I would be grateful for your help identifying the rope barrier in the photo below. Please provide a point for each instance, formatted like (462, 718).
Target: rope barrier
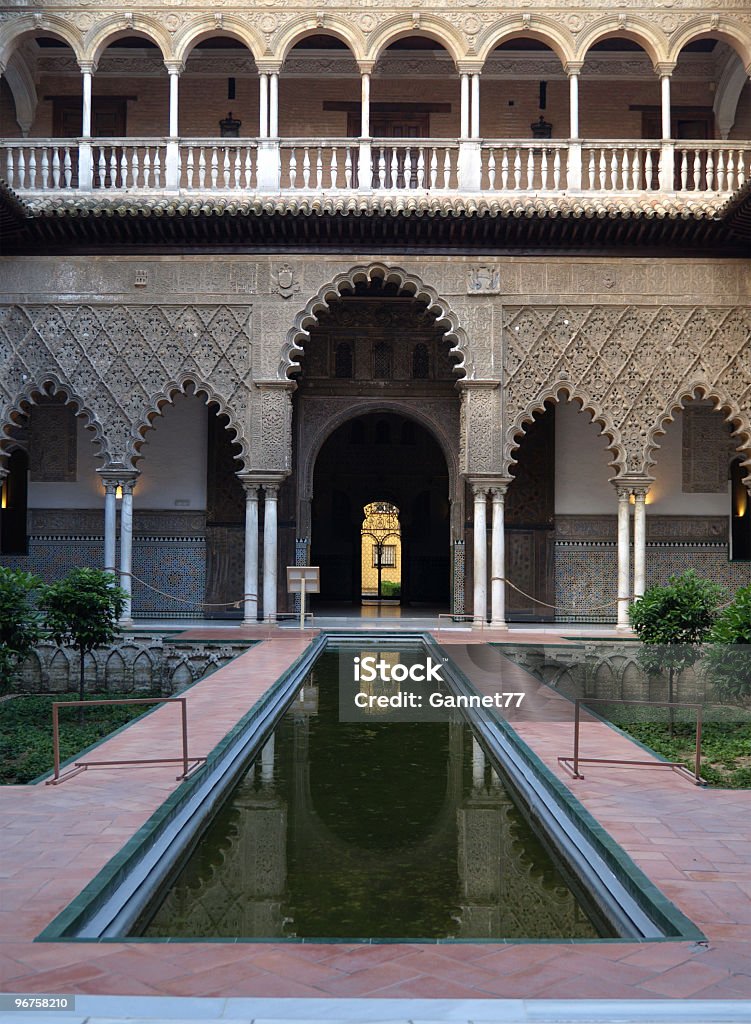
(185, 600)
(557, 607)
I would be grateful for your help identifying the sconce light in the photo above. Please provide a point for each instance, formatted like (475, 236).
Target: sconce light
(4, 495)
(118, 492)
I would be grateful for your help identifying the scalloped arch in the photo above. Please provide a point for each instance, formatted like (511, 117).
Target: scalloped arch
(51, 384)
(723, 404)
(402, 26)
(106, 32)
(384, 405)
(732, 33)
(206, 27)
(178, 386)
(553, 393)
(543, 29)
(307, 317)
(653, 40)
(333, 25)
(13, 32)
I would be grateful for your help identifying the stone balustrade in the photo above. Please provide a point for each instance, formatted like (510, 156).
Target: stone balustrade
(325, 165)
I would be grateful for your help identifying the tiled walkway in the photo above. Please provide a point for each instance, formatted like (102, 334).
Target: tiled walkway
(695, 844)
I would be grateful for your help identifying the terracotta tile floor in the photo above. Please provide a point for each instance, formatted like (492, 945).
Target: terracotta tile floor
(694, 844)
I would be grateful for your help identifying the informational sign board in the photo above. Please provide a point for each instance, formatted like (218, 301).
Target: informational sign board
(302, 580)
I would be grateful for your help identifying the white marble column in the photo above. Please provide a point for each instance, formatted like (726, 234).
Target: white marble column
(665, 105)
(174, 87)
(573, 92)
(464, 109)
(480, 543)
(110, 526)
(475, 106)
(498, 559)
(624, 558)
(263, 117)
(126, 549)
(250, 584)
(365, 106)
(274, 104)
(640, 540)
(86, 71)
(270, 495)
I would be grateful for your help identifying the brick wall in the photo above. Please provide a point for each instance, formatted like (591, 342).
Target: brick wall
(507, 107)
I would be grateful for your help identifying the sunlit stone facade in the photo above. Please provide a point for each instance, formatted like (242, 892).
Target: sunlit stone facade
(264, 266)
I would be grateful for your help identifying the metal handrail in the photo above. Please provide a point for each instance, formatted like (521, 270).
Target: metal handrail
(571, 764)
(81, 766)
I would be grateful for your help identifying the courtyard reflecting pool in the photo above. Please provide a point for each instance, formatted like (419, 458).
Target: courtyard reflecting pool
(370, 830)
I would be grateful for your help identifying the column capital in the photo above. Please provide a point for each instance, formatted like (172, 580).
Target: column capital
(498, 487)
(469, 67)
(640, 490)
(250, 485)
(573, 67)
(268, 67)
(87, 66)
(175, 67)
(114, 478)
(271, 490)
(366, 66)
(664, 68)
(623, 490)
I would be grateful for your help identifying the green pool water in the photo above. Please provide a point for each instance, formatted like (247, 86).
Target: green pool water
(369, 830)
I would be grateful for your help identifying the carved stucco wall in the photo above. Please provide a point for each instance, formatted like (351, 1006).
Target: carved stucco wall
(119, 353)
(630, 367)
(118, 364)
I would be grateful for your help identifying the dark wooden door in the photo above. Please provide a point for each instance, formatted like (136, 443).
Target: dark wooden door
(108, 117)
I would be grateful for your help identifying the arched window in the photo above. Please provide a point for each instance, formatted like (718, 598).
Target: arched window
(383, 361)
(343, 361)
(420, 362)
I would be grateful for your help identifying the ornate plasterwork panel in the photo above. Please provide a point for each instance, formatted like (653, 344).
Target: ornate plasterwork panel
(706, 451)
(630, 367)
(119, 364)
(272, 427)
(481, 437)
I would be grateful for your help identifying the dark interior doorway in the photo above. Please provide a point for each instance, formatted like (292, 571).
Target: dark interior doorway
(381, 457)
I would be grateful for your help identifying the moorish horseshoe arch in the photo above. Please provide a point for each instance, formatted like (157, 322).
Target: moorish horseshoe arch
(166, 396)
(723, 405)
(552, 393)
(308, 317)
(51, 384)
(359, 406)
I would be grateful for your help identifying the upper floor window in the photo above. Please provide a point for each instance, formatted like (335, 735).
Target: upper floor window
(343, 361)
(383, 361)
(420, 362)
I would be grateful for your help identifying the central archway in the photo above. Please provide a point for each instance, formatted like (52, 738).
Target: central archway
(382, 457)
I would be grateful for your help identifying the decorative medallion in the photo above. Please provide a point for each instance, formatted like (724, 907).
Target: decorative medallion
(484, 281)
(284, 279)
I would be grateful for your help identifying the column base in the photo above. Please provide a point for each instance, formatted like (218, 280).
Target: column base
(126, 623)
(250, 622)
(622, 627)
(498, 624)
